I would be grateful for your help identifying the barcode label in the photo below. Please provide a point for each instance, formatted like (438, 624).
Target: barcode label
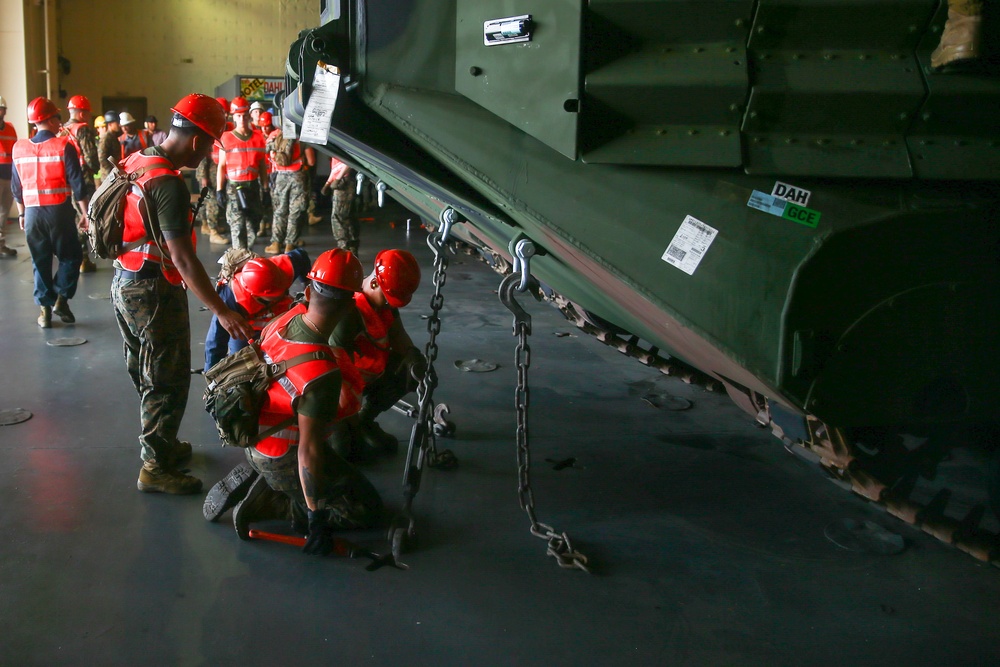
(689, 245)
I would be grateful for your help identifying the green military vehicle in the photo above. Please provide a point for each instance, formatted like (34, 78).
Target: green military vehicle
(783, 199)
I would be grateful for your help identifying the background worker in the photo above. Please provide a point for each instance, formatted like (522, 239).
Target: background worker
(242, 176)
(149, 296)
(343, 221)
(259, 292)
(300, 475)
(85, 139)
(290, 191)
(8, 137)
(152, 127)
(134, 139)
(110, 145)
(46, 171)
(380, 348)
(265, 125)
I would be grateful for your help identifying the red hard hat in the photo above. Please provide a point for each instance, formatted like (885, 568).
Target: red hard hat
(262, 278)
(223, 101)
(265, 119)
(398, 275)
(239, 105)
(338, 268)
(79, 102)
(203, 112)
(41, 108)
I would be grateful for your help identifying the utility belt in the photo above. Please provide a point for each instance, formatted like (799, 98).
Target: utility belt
(149, 271)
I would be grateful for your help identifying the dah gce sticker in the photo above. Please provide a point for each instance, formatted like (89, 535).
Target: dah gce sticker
(689, 245)
(791, 193)
(783, 208)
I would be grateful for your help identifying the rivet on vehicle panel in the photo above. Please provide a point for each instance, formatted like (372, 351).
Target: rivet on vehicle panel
(760, 29)
(660, 132)
(790, 140)
(692, 132)
(822, 142)
(855, 142)
(959, 142)
(863, 56)
(758, 140)
(888, 142)
(926, 115)
(724, 133)
(796, 56)
(763, 56)
(753, 114)
(475, 71)
(734, 107)
(739, 23)
(698, 49)
(895, 56)
(828, 56)
(731, 49)
(904, 116)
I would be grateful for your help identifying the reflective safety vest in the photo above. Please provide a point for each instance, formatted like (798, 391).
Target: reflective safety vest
(40, 167)
(284, 393)
(136, 221)
(71, 128)
(372, 344)
(337, 169)
(8, 137)
(258, 314)
(244, 158)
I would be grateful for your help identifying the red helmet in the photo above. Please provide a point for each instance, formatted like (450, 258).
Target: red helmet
(79, 102)
(239, 105)
(203, 112)
(265, 119)
(262, 278)
(338, 268)
(41, 108)
(223, 101)
(398, 275)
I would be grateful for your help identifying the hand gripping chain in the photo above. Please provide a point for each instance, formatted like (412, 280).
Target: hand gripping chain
(559, 545)
(423, 440)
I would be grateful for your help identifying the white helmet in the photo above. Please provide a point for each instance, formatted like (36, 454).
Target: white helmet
(125, 118)
(3, 102)
(257, 105)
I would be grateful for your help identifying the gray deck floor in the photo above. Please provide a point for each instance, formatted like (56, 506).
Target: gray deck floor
(705, 536)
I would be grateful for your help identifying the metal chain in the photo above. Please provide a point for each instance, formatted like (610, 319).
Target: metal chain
(559, 545)
(425, 388)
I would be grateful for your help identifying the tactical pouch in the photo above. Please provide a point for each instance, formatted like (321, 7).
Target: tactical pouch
(242, 200)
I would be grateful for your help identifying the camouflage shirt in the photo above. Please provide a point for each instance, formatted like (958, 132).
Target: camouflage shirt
(109, 146)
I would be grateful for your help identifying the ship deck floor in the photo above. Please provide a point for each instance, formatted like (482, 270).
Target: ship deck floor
(707, 540)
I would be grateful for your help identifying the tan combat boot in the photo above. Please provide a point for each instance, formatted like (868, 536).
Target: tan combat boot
(45, 319)
(961, 39)
(217, 239)
(273, 249)
(87, 266)
(62, 310)
(155, 479)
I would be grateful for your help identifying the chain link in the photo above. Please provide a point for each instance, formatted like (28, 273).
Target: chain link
(559, 545)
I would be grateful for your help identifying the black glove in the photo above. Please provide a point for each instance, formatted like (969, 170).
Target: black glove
(415, 363)
(320, 540)
(220, 196)
(266, 197)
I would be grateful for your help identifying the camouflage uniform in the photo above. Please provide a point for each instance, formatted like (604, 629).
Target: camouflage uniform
(210, 212)
(153, 319)
(109, 146)
(87, 140)
(243, 224)
(290, 203)
(346, 230)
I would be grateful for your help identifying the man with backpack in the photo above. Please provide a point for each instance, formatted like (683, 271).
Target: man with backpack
(148, 290)
(85, 139)
(46, 171)
(293, 471)
(290, 169)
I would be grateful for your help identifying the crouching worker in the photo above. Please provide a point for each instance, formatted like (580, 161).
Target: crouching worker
(259, 292)
(294, 473)
(381, 349)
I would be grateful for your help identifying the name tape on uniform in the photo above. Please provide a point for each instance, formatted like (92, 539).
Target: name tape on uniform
(783, 209)
(689, 245)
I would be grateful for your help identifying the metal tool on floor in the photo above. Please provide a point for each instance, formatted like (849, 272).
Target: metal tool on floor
(423, 436)
(341, 547)
(559, 545)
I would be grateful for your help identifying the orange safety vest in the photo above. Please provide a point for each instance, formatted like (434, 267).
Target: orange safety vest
(372, 344)
(295, 164)
(8, 137)
(71, 128)
(136, 221)
(244, 158)
(337, 169)
(284, 393)
(40, 167)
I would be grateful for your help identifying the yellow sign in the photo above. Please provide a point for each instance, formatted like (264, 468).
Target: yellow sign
(260, 87)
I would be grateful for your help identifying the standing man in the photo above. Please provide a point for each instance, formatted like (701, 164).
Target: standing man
(242, 176)
(8, 137)
(46, 171)
(346, 230)
(300, 475)
(84, 139)
(149, 296)
(156, 135)
(290, 196)
(265, 126)
(110, 146)
(256, 109)
(134, 139)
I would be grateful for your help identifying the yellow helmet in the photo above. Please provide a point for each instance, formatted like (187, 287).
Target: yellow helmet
(100, 122)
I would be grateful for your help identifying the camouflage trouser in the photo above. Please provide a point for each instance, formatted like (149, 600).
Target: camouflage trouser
(345, 490)
(153, 319)
(267, 216)
(346, 230)
(289, 206)
(210, 213)
(243, 224)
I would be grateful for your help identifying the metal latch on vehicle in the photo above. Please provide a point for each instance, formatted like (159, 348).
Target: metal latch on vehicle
(507, 31)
